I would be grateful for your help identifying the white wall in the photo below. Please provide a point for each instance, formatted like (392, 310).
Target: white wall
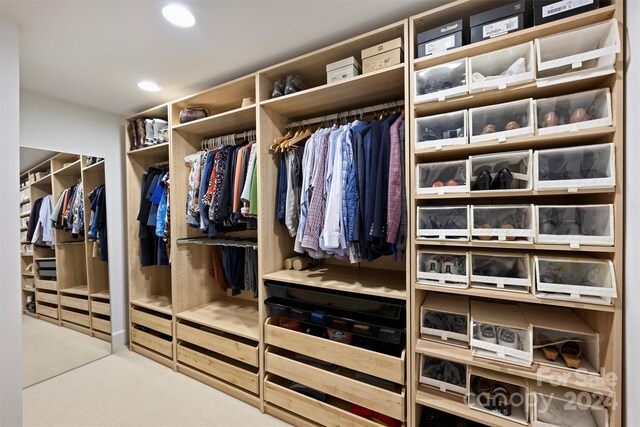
(632, 231)
(11, 300)
(52, 124)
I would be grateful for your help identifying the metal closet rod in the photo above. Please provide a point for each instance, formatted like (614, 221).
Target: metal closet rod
(349, 113)
(242, 243)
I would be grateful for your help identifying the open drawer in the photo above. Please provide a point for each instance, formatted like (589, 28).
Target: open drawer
(381, 365)
(152, 342)
(234, 347)
(219, 366)
(388, 399)
(73, 302)
(333, 411)
(151, 320)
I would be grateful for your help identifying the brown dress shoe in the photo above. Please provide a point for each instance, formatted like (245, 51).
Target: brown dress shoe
(140, 132)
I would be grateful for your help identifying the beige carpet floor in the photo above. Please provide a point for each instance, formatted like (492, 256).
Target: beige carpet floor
(49, 350)
(128, 390)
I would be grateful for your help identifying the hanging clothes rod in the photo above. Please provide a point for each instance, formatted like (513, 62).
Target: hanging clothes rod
(350, 113)
(160, 165)
(241, 243)
(218, 141)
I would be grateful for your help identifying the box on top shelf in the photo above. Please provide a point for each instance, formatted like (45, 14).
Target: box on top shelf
(578, 54)
(501, 20)
(445, 318)
(342, 70)
(440, 39)
(502, 68)
(545, 11)
(382, 55)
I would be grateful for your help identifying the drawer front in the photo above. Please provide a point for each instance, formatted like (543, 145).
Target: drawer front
(377, 364)
(50, 285)
(101, 308)
(79, 303)
(101, 325)
(72, 316)
(47, 311)
(220, 369)
(346, 388)
(312, 409)
(152, 322)
(154, 343)
(47, 297)
(218, 344)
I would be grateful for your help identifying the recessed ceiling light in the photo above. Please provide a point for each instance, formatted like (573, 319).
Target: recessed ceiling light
(148, 86)
(178, 15)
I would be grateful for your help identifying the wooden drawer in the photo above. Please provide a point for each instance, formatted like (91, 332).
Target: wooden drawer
(47, 297)
(47, 311)
(50, 285)
(219, 344)
(101, 325)
(345, 386)
(333, 412)
(101, 307)
(156, 323)
(218, 368)
(79, 303)
(72, 316)
(370, 362)
(152, 342)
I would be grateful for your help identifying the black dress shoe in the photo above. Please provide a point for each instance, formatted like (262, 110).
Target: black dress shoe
(483, 182)
(278, 89)
(503, 180)
(589, 164)
(293, 84)
(570, 223)
(429, 135)
(549, 221)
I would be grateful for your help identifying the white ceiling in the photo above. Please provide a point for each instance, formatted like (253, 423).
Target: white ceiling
(30, 157)
(93, 52)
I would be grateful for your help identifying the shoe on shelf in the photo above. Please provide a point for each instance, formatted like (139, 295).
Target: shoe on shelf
(502, 180)
(488, 333)
(140, 132)
(483, 390)
(278, 89)
(571, 352)
(133, 136)
(502, 400)
(293, 84)
(483, 181)
(509, 338)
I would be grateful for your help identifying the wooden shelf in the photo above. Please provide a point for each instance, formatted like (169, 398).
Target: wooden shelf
(495, 244)
(457, 406)
(73, 169)
(71, 242)
(24, 228)
(515, 38)
(24, 214)
(76, 290)
(44, 181)
(566, 139)
(380, 283)
(372, 88)
(28, 289)
(103, 295)
(513, 296)
(27, 274)
(160, 112)
(497, 194)
(237, 120)
(571, 379)
(24, 202)
(161, 304)
(512, 93)
(96, 167)
(28, 313)
(152, 151)
(235, 316)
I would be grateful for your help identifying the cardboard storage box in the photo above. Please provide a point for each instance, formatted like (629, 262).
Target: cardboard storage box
(383, 55)
(441, 39)
(343, 69)
(500, 21)
(551, 10)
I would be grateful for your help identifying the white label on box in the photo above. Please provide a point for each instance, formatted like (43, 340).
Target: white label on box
(499, 28)
(563, 6)
(439, 45)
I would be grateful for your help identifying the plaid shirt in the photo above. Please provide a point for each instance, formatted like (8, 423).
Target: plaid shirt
(394, 195)
(315, 214)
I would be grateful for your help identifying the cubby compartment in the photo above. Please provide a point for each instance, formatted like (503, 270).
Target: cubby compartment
(442, 130)
(444, 177)
(444, 375)
(562, 340)
(441, 268)
(508, 272)
(578, 54)
(574, 112)
(575, 225)
(585, 280)
(502, 121)
(498, 394)
(501, 332)
(502, 68)
(445, 318)
(551, 409)
(507, 223)
(575, 168)
(442, 223)
(502, 172)
(442, 81)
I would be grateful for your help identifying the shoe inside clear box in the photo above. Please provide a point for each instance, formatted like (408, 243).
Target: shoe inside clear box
(442, 81)
(584, 224)
(501, 121)
(502, 68)
(444, 374)
(445, 222)
(443, 177)
(442, 321)
(547, 349)
(553, 410)
(516, 395)
(505, 171)
(441, 130)
(510, 223)
(577, 111)
(511, 272)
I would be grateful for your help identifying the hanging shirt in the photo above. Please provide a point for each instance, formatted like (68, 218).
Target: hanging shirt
(294, 183)
(394, 194)
(43, 234)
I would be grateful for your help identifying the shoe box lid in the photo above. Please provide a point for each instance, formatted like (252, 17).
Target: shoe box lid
(441, 31)
(551, 10)
(350, 61)
(382, 47)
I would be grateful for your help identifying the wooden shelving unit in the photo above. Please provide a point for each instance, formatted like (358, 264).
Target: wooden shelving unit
(606, 319)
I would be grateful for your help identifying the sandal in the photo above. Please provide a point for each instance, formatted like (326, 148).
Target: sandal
(571, 352)
(550, 351)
